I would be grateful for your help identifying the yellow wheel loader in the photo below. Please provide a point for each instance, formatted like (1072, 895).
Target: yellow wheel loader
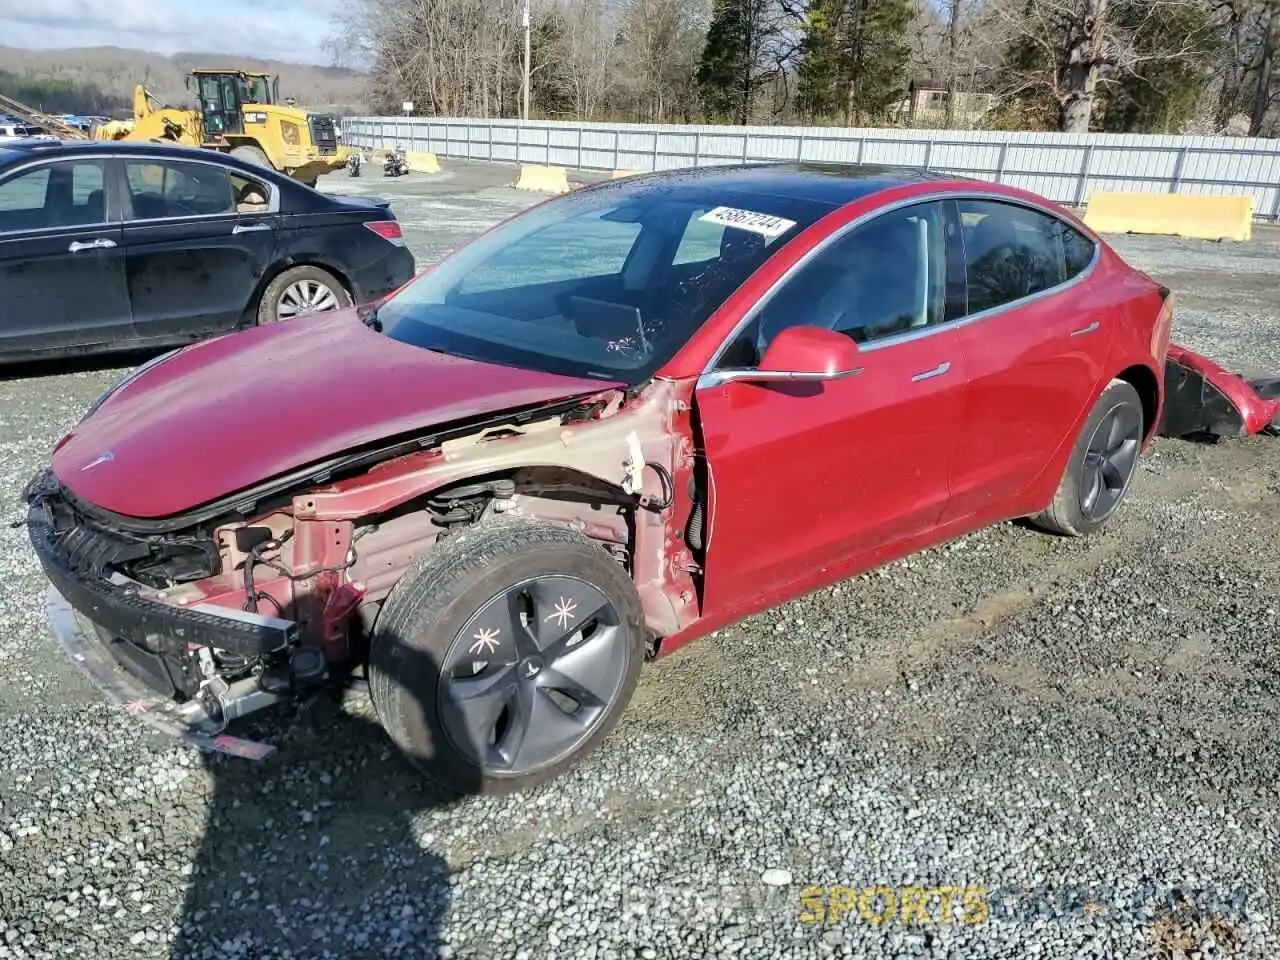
(238, 113)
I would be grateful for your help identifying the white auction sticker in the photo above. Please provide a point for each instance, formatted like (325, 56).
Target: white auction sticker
(761, 223)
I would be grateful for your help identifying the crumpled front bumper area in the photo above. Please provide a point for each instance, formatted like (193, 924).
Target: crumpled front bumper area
(189, 721)
(143, 653)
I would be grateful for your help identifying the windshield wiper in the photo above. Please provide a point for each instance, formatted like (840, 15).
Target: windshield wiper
(371, 320)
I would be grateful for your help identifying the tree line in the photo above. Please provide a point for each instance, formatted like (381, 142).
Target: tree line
(1151, 66)
(100, 80)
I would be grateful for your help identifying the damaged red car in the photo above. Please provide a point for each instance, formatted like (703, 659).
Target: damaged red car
(617, 421)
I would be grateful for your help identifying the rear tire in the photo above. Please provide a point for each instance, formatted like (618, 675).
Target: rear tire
(1101, 467)
(300, 291)
(505, 655)
(251, 154)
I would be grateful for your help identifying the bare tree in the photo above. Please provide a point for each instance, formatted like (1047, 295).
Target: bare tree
(585, 52)
(1067, 48)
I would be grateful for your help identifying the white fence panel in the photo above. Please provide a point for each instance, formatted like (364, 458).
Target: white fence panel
(1064, 167)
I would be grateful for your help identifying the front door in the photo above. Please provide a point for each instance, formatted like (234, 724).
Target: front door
(194, 259)
(62, 277)
(220, 106)
(1036, 343)
(806, 479)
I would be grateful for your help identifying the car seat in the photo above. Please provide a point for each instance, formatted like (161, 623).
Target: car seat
(882, 278)
(95, 208)
(1001, 265)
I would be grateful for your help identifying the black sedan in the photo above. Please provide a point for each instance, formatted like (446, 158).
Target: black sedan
(114, 246)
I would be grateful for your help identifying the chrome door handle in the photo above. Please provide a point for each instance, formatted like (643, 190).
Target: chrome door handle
(250, 228)
(102, 243)
(1091, 328)
(937, 371)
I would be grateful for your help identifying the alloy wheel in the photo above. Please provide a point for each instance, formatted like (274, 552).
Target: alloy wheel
(305, 296)
(1109, 461)
(530, 676)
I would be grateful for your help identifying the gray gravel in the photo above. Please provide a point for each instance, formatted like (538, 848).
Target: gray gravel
(1086, 729)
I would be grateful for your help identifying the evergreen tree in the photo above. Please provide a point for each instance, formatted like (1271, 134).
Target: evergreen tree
(855, 57)
(725, 74)
(747, 47)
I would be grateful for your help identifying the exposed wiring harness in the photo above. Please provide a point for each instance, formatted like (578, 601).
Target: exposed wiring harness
(668, 487)
(253, 594)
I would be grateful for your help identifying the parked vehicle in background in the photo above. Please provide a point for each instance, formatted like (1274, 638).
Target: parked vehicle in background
(116, 246)
(11, 131)
(396, 163)
(618, 421)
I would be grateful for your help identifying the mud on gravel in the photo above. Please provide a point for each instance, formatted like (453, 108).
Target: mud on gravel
(1078, 736)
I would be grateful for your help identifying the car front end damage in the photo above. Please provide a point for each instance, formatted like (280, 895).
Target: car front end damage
(270, 595)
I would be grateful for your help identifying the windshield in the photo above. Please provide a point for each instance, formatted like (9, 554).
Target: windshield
(607, 283)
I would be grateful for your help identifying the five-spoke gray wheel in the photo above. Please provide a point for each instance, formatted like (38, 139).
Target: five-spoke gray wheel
(1101, 466)
(506, 654)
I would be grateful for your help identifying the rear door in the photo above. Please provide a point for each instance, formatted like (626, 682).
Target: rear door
(1036, 342)
(62, 277)
(196, 245)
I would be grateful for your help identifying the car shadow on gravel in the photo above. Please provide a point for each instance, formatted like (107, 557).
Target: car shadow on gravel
(314, 852)
(78, 363)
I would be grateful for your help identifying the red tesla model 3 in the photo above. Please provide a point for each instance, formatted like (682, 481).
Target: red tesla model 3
(617, 421)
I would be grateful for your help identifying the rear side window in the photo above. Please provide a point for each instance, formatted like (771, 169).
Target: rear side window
(64, 194)
(1012, 252)
(176, 188)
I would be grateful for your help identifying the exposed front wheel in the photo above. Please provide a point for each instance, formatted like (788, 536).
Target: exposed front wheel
(1102, 465)
(506, 655)
(299, 291)
(251, 154)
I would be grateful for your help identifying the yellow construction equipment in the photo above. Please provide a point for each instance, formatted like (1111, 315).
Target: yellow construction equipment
(238, 113)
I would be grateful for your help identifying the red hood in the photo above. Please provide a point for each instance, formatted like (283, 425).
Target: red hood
(236, 410)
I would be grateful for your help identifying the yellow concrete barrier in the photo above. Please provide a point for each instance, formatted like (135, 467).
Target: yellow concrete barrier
(621, 174)
(422, 162)
(1201, 217)
(543, 179)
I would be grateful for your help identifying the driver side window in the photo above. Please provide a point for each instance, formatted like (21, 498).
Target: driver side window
(886, 277)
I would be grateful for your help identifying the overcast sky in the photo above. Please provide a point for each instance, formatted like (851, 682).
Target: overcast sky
(277, 29)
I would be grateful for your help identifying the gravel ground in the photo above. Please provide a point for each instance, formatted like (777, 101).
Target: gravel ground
(1075, 740)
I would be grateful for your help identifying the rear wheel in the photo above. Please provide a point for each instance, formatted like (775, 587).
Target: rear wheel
(506, 655)
(1101, 467)
(299, 291)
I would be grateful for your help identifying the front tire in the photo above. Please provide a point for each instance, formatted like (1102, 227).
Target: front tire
(299, 291)
(505, 655)
(1101, 467)
(252, 154)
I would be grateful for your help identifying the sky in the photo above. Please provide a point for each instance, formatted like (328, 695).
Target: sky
(292, 30)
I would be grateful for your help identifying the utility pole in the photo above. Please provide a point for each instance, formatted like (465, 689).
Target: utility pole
(526, 60)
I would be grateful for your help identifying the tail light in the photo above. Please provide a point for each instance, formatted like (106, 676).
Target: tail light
(1160, 336)
(388, 230)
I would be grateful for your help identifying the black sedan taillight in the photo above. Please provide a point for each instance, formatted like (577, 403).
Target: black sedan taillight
(388, 230)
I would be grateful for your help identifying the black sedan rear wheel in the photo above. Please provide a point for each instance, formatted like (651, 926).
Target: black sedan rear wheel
(299, 291)
(506, 655)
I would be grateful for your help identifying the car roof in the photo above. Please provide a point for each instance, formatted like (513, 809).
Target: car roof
(835, 184)
(120, 147)
(24, 150)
